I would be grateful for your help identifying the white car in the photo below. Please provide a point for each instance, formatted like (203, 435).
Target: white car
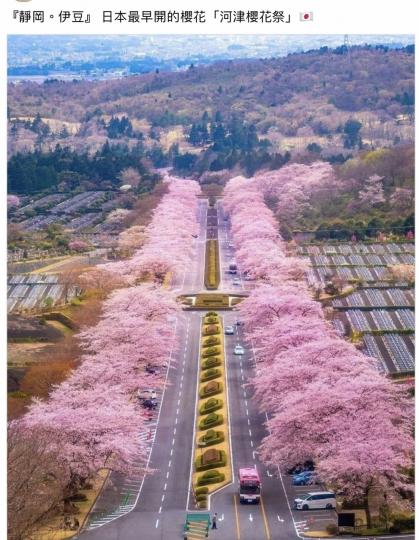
(229, 330)
(316, 500)
(149, 393)
(238, 349)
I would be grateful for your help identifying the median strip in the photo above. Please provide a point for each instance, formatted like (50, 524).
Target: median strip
(211, 455)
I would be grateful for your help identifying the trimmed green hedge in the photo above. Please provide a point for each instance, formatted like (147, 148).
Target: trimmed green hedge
(211, 314)
(211, 437)
(211, 341)
(201, 491)
(199, 466)
(203, 393)
(211, 405)
(210, 477)
(210, 351)
(212, 420)
(200, 498)
(202, 505)
(210, 362)
(210, 374)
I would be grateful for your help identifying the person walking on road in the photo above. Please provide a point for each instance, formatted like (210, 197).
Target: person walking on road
(214, 521)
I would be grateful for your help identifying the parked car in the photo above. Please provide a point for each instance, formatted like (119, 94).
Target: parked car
(229, 330)
(316, 500)
(300, 467)
(238, 349)
(148, 393)
(149, 404)
(304, 478)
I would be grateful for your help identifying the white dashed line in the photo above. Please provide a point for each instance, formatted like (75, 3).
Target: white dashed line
(250, 432)
(167, 474)
(164, 487)
(159, 512)
(162, 498)
(173, 441)
(251, 444)
(169, 464)
(171, 452)
(157, 523)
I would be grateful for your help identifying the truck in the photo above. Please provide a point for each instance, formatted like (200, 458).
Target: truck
(249, 485)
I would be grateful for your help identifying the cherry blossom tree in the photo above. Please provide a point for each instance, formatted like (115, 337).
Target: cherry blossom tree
(12, 201)
(401, 272)
(324, 397)
(402, 199)
(373, 191)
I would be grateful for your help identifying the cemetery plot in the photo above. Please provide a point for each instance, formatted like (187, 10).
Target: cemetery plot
(380, 311)
(35, 291)
(394, 352)
(78, 212)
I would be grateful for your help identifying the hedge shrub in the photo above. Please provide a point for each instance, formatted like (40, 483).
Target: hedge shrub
(211, 314)
(402, 522)
(211, 341)
(199, 466)
(208, 392)
(202, 505)
(212, 420)
(210, 362)
(210, 351)
(211, 437)
(200, 498)
(211, 405)
(210, 477)
(201, 491)
(211, 330)
(210, 374)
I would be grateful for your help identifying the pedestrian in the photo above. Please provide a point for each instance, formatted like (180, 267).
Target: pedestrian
(214, 521)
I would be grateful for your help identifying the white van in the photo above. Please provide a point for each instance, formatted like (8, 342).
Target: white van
(316, 500)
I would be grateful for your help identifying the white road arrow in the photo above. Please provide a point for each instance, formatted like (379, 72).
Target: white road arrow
(250, 517)
(254, 454)
(221, 518)
(280, 519)
(268, 473)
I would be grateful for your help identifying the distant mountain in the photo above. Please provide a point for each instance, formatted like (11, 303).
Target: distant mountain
(104, 57)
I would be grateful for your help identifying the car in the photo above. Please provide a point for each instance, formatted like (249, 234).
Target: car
(148, 393)
(149, 404)
(316, 500)
(304, 478)
(229, 330)
(300, 467)
(238, 349)
(236, 281)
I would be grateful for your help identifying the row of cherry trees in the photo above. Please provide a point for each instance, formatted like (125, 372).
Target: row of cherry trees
(92, 420)
(325, 399)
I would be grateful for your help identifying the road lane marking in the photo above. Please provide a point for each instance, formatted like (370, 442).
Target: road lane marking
(159, 512)
(157, 523)
(177, 411)
(167, 474)
(165, 487)
(162, 498)
(251, 443)
(174, 431)
(237, 517)
(250, 518)
(173, 441)
(170, 463)
(176, 420)
(265, 520)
